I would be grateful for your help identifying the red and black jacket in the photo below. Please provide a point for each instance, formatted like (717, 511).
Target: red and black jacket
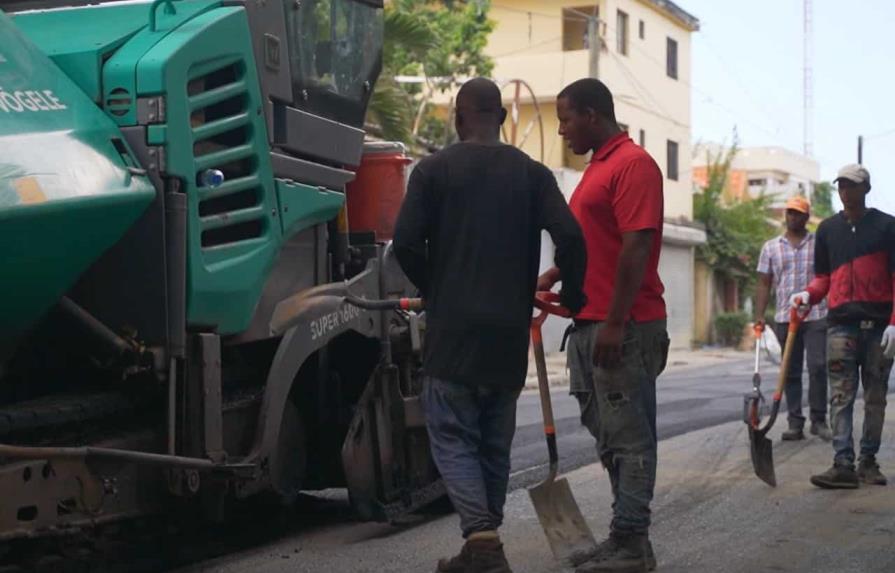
(854, 266)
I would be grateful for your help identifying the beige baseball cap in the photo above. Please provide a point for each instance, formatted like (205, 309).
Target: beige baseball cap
(855, 173)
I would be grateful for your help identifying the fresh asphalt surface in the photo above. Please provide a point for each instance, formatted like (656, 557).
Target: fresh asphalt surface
(688, 398)
(321, 532)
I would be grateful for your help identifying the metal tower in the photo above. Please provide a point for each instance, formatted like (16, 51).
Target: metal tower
(808, 80)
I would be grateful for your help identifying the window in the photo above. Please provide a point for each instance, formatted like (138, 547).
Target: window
(642, 138)
(671, 59)
(334, 53)
(757, 183)
(574, 27)
(621, 33)
(642, 30)
(672, 160)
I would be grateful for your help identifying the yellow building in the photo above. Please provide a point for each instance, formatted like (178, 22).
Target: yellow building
(644, 58)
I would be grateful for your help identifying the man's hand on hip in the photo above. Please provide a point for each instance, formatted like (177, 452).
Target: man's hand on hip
(608, 347)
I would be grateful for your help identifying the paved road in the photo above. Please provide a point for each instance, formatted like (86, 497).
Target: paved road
(689, 398)
(322, 528)
(710, 512)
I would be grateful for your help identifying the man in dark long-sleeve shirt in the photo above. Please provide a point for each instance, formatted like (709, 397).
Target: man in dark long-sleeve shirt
(854, 264)
(468, 236)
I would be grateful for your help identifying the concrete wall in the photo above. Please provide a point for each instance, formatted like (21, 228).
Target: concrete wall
(709, 302)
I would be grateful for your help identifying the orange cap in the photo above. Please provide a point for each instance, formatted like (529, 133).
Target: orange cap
(800, 204)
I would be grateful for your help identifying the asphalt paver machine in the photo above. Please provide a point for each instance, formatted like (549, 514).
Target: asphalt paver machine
(185, 307)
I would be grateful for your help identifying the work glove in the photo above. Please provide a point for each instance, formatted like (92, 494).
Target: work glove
(800, 300)
(888, 342)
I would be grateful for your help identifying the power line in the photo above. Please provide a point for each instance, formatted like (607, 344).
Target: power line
(880, 134)
(731, 71)
(526, 48)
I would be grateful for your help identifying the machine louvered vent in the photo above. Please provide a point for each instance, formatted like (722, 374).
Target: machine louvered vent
(223, 140)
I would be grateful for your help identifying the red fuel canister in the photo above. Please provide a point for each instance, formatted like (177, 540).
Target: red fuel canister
(375, 195)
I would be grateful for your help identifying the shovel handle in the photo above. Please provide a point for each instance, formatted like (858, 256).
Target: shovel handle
(796, 318)
(537, 344)
(549, 302)
(758, 332)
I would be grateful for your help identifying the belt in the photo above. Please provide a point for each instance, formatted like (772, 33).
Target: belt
(576, 323)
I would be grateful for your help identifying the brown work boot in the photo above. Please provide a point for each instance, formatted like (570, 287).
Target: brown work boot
(477, 556)
(868, 472)
(621, 552)
(837, 477)
(793, 434)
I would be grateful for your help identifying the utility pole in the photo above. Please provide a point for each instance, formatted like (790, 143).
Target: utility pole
(593, 42)
(860, 149)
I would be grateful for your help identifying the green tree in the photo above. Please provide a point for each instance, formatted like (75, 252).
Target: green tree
(822, 200)
(439, 39)
(736, 229)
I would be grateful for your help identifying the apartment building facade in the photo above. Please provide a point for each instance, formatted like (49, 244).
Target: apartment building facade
(643, 54)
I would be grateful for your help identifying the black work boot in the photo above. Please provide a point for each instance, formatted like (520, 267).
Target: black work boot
(821, 430)
(477, 556)
(793, 434)
(622, 552)
(868, 472)
(837, 477)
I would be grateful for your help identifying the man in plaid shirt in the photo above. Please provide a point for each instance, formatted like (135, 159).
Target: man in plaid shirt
(787, 264)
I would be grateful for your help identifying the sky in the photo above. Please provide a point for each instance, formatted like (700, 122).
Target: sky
(747, 74)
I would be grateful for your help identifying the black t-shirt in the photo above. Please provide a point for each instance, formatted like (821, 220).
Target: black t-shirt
(468, 236)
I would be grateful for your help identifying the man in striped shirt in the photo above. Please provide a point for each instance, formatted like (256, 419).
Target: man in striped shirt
(787, 263)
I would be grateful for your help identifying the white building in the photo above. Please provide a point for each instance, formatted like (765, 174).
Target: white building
(772, 170)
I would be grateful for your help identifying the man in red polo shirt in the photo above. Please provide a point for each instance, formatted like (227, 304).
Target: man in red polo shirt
(619, 343)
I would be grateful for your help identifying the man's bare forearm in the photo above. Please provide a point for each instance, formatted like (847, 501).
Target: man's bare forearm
(636, 247)
(762, 295)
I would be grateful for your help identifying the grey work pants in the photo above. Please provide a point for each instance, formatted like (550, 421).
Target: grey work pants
(618, 407)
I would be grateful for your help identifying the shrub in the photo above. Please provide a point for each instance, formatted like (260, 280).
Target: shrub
(730, 327)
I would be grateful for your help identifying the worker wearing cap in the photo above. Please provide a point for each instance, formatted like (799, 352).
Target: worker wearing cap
(854, 262)
(787, 264)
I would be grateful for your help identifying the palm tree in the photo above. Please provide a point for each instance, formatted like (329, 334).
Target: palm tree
(391, 110)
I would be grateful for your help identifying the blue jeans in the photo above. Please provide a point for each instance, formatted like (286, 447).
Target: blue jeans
(618, 407)
(852, 353)
(471, 431)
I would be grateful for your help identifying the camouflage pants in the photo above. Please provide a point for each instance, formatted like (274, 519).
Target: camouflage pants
(853, 353)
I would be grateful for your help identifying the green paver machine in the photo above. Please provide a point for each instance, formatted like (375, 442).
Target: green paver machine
(185, 309)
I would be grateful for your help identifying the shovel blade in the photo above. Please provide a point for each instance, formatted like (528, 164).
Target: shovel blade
(762, 452)
(567, 532)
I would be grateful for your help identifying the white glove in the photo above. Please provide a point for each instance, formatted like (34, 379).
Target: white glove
(799, 300)
(888, 342)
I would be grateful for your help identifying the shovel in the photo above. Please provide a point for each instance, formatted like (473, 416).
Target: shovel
(567, 532)
(760, 447)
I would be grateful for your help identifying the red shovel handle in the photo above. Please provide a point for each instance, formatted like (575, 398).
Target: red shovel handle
(549, 302)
